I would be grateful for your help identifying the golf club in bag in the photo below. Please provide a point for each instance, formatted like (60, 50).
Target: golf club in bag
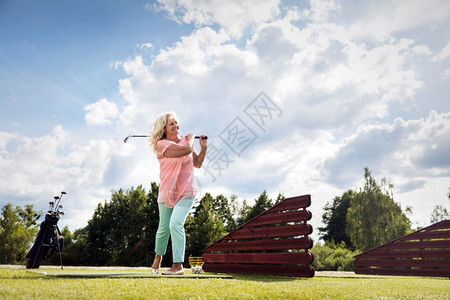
(49, 239)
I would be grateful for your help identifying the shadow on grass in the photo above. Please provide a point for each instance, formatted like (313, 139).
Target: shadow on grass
(266, 278)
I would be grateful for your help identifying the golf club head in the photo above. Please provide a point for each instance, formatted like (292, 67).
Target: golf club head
(60, 197)
(61, 213)
(56, 197)
(126, 139)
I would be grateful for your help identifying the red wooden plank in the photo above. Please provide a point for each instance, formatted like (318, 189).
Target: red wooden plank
(407, 253)
(260, 258)
(300, 243)
(417, 245)
(292, 203)
(404, 263)
(441, 226)
(400, 256)
(276, 270)
(445, 224)
(430, 235)
(275, 231)
(277, 218)
(404, 272)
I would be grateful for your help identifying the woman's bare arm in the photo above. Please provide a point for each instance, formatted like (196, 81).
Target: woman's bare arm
(199, 158)
(175, 150)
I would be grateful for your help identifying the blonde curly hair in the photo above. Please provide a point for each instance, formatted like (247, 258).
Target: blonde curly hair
(158, 133)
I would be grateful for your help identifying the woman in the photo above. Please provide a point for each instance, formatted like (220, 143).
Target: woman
(177, 157)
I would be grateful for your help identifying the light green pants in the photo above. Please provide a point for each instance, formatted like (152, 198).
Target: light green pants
(171, 223)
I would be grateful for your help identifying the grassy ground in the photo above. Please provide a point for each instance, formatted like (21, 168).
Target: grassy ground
(17, 283)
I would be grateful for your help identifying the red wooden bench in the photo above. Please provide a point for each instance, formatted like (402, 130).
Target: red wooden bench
(425, 252)
(275, 242)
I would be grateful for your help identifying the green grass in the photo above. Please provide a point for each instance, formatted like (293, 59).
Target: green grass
(20, 284)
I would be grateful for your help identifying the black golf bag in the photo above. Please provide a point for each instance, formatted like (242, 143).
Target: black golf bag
(49, 239)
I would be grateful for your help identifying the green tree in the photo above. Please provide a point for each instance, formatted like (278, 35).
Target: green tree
(329, 256)
(373, 217)
(204, 227)
(235, 210)
(335, 219)
(243, 212)
(262, 204)
(221, 206)
(18, 228)
(280, 198)
(439, 213)
(76, 254)
(122, 230)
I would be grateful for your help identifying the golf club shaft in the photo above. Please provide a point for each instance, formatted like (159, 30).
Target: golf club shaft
(59, 200)
(141, 135)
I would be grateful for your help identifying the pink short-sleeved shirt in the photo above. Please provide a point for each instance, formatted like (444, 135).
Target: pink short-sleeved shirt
(176, 175)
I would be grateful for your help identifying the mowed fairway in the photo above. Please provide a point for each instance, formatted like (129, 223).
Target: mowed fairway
(17, 283)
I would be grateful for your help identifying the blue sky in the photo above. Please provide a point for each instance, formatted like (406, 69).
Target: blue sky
(56, 55)
(318, 90)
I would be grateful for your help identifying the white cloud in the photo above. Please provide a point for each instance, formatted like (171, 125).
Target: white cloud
(445, 52)
(5, 137)
(36, 164)
(30, 165)
(345, 95)
(100, 112)
(416, 149)
(35, 169)
(233, 16)
(446, 74)
(324, 78)
(382, 19)
(322, 67)
(145, 46)
(321, 9)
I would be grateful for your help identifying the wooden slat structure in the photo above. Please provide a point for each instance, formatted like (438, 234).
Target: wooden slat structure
(425, 252)
(275, 242)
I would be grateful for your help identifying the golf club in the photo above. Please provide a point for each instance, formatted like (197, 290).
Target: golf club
(141, 135)
(59, 198)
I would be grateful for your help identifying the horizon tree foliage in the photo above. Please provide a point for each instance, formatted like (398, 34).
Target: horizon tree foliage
(207, 224)
(335, 219)
(222, 206)
(373, 217)
(122, 230)
(329, 256)
(262, 203)
(439, 213)
(18, 228)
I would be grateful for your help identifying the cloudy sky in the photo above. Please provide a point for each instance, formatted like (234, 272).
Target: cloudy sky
(296, 97)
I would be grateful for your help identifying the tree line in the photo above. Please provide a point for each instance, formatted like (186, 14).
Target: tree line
(121, 230)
